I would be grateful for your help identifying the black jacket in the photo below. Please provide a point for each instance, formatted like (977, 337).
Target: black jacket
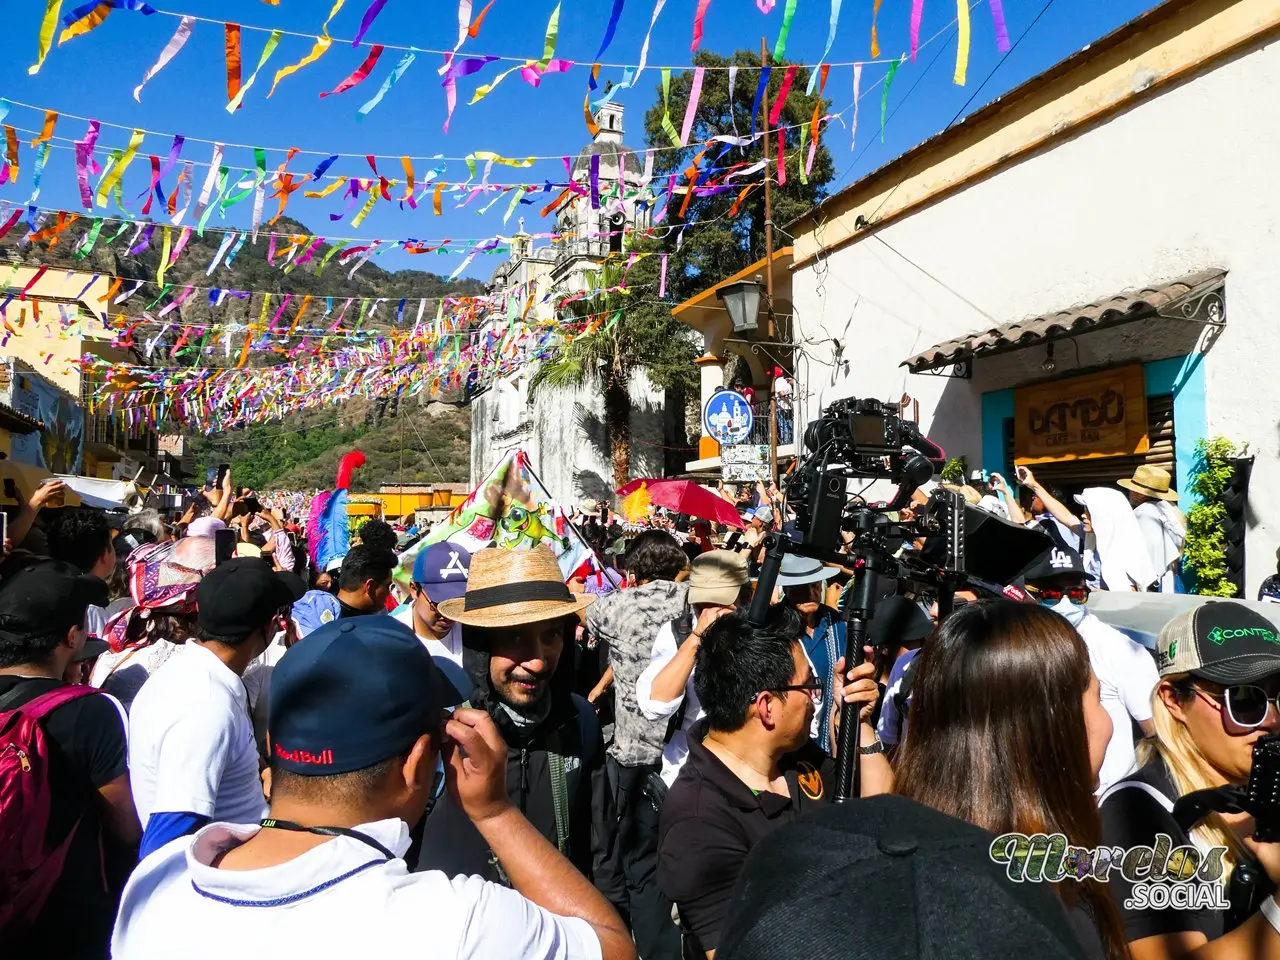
(570, 731)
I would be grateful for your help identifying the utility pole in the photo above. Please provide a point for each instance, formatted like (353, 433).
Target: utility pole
(768, 261)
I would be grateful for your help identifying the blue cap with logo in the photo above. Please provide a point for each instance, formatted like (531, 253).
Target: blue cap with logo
(441, 570)
(355, 693)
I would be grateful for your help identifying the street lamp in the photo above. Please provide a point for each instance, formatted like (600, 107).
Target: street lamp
(742, 300)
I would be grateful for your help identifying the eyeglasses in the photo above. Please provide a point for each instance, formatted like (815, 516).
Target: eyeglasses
(813, 686)
(1077, 595)
(1247, 706)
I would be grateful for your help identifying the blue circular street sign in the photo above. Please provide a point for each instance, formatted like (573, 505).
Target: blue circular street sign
(727, 418)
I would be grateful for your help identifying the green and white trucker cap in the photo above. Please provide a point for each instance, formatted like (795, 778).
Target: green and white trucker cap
(1222, 642)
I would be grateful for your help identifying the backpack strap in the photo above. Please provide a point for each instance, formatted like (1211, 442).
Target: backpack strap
(46, 703)
(1142, 785)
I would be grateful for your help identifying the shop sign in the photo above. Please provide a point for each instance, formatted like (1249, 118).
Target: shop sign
(1098, 415)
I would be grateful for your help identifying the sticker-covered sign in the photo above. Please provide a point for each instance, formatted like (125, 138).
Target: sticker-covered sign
(727, 418)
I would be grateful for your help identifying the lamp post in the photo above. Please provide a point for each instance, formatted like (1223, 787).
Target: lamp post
(742, 301)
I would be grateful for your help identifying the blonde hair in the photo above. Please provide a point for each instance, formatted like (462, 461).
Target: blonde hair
(1189, 769)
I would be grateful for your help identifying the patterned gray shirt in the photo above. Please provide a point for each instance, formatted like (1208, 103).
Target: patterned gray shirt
(627, 621)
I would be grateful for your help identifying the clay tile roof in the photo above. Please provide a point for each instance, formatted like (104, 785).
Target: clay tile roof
(1122, 308)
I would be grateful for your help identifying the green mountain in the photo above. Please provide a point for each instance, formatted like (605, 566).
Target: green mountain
(302, 452)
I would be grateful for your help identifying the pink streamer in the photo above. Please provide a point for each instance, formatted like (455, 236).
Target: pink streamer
(857, 92)
(85, 164)
(695, 92)
(917, 14)
(782, 158)
(787, 79)
(533, 74)
(1002, 28)
(698, 16)
(662, 282)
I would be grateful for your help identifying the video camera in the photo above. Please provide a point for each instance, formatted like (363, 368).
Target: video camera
(1260, 798)
(865, 439)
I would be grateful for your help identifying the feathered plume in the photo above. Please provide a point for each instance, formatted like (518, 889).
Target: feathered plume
(636, 507)
(328, 536)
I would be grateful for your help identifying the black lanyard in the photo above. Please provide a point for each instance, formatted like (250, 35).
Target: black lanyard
(329, 832)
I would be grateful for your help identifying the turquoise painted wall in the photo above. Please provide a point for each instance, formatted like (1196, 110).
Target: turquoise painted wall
(1181, 376)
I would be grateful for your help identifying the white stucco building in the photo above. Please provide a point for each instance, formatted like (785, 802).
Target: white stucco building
(1098, 241)
(563, 431)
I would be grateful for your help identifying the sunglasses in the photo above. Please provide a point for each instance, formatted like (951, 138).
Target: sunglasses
(1076, 595)
(1247, 705)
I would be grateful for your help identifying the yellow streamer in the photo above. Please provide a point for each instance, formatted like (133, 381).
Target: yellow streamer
(484, 90)
(319, 50)
(368, 205)
(962, 41)
(317, 194)
(165, 248)
(489, 155)
(112, 178)
(90, 21)
(267, 50)
(45, 40)
(332, 13)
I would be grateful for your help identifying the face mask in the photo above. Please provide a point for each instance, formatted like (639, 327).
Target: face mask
(1073, 613)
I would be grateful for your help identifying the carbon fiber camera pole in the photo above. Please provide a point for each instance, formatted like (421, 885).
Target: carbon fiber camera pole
(859, 608)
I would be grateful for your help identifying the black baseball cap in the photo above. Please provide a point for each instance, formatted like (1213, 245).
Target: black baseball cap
(898, 620)
(1222, 642)
(886, 877)
(1055, 562)
(354, 693)
(239, 596)
(45, 597)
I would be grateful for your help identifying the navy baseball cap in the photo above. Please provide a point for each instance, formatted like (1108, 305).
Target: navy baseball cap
(442, 570)
(356, 692)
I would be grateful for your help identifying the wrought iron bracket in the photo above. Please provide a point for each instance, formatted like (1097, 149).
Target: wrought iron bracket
(960, 370)
(1199, 306)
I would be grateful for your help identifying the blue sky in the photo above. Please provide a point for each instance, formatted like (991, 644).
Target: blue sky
(94, 75)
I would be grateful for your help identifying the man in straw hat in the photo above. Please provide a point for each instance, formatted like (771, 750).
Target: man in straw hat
(1162, 524)
(518, 621)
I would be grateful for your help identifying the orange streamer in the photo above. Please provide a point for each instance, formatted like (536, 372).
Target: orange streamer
(233, 59)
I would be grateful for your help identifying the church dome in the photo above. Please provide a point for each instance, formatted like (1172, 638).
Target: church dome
(609, 153)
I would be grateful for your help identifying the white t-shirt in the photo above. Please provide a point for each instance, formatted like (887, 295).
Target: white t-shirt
(257, 682)
(339, 900)
(191, 746)
(1126, 679)
(123, 674)
(677, 749)
(450, 647)
(95, 621)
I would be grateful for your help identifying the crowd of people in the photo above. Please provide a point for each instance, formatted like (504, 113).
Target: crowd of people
(208, 744)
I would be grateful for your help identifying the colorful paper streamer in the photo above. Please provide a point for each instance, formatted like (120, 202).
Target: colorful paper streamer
(176, 43)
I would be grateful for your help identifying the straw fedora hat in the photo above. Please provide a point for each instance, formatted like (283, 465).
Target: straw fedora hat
(1151, 482)
(507, 588)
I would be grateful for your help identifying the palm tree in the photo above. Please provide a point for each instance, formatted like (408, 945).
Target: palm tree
(621, 332)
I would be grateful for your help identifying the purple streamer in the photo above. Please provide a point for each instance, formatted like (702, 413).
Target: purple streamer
(1002, 29)
(595, 181)
(375, 8)
(144, 242)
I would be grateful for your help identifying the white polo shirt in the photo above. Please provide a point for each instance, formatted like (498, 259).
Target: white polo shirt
(191, 746)
(339, 900)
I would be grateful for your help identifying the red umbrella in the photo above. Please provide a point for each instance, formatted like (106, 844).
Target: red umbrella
(685, 496)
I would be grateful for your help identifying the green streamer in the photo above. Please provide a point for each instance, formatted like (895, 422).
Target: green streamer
(884, 95)
(780, 48)
(86, 247)
(667, 125)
